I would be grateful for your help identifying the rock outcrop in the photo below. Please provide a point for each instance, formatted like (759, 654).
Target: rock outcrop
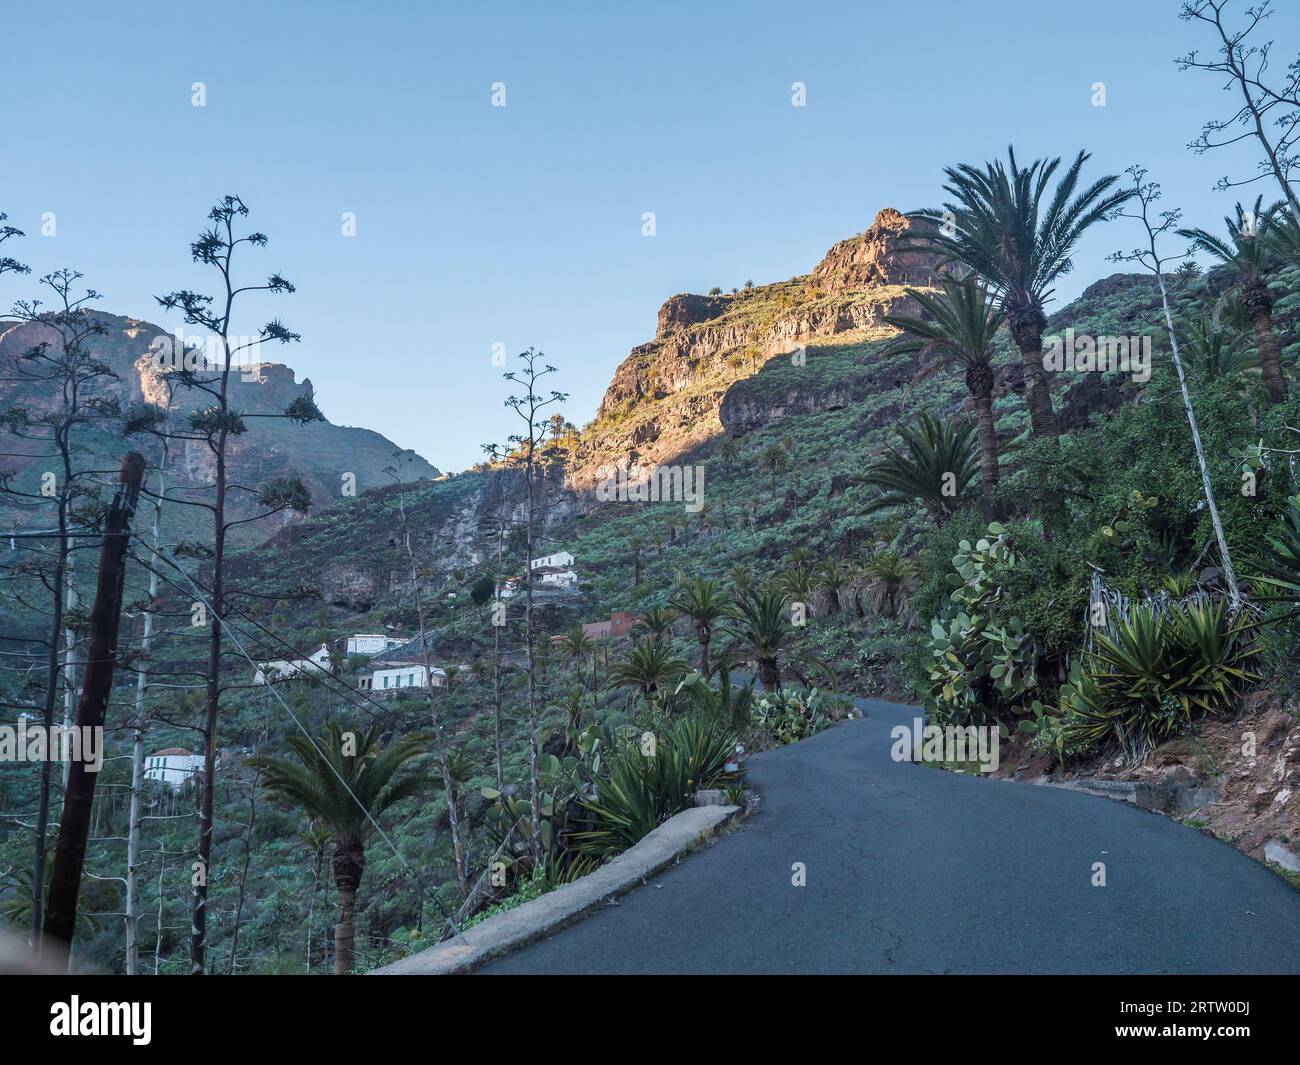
(319, 453)
(665, 397)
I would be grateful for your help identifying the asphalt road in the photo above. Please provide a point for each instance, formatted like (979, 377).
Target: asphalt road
(916, 870)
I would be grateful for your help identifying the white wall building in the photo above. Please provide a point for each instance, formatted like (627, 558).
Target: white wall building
(365, 643)
(559, 560)
(559, 578)
(391, 678)
(173, 766)
(283, 669)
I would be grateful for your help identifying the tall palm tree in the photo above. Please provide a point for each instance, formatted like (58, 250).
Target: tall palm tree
(760, 623)
(451, 676)
(635, 544)
(1246, 254)
(776, 460)
(649, 664)
(705, 603)
(935, 467)
(344, 780)
(657, 622)
(741, 576)
(961, 326)
(580, 647)
(798, 583)
(996, 226)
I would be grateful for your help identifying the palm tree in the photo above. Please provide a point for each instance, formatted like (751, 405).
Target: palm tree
(935, 469)
(450, 676)
(657, 622)
(798, 584)
(741, 576)
(728, 702)
(998, 229)
(1283, 233)
(776, 460)
(1246, 255)
(727, 450)
(344, 780)
(832, 577)
(1211, 352)
(634, 545)
(648, 664)
(705, 603)
(962, 324)
(762, 627)
(579, 647)
(889, 579)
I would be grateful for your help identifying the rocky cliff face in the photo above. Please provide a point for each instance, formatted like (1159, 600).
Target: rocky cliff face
(666, 395)
(320, 453)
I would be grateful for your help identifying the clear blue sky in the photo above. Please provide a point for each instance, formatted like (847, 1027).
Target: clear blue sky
(522, 224)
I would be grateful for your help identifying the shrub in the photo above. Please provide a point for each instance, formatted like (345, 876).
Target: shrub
(980, 668)
(790, 715)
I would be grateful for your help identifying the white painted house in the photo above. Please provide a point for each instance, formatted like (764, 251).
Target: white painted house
(559, 560)
(366, 643)
(283, 669)
(555, 578)
(174, 766)
(412, 675)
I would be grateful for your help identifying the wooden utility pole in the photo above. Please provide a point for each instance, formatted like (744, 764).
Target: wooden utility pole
(78, 799)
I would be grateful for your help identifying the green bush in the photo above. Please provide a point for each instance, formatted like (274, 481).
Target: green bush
(793, 714)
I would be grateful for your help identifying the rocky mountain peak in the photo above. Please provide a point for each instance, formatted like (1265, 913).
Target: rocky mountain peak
(666, 395)
(877, 256)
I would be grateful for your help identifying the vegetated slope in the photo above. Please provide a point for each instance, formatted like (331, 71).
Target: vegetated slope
(831, 411)
(820, 389)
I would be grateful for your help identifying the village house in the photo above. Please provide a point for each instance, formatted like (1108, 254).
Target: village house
(551, 573)
(174, 766)
(619, 624)
(559, 560)
(408, 675)
(372, 643)
(284, 669)
(554, 577)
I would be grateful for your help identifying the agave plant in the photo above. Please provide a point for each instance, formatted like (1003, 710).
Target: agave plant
(1156, 672)
(935, 468)
(642, 788)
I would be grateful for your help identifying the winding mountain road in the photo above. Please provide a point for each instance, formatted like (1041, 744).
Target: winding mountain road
(916, 870)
